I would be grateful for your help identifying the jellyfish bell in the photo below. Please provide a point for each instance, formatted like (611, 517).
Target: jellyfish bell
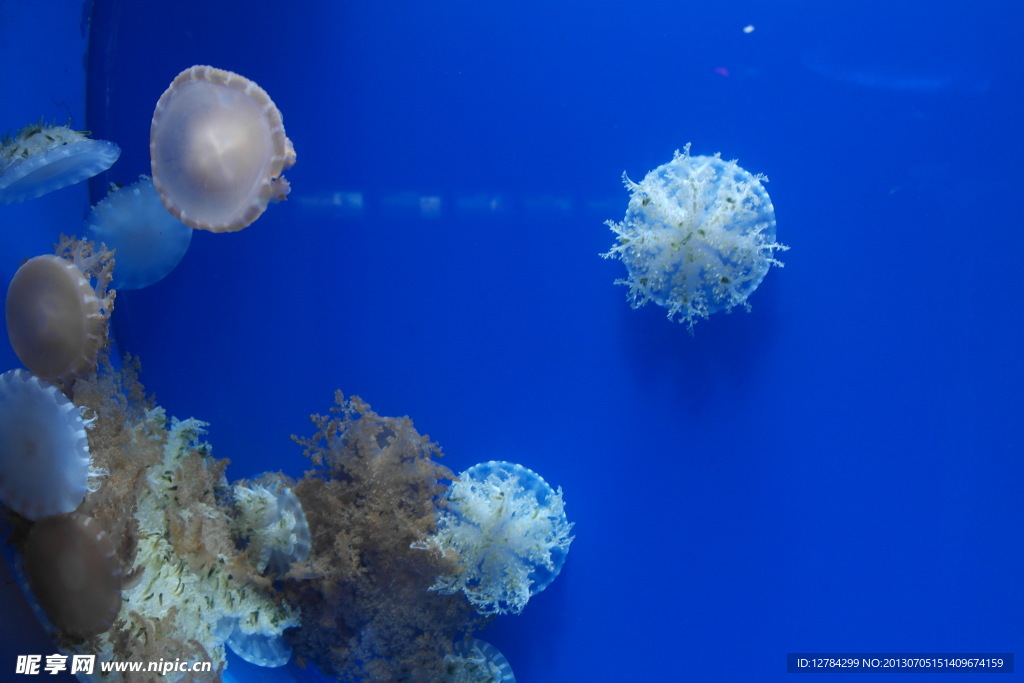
(273, 524)
(52, 317)
(41, 159)
(44, 451)
(56, 317)
(528, 486)
(266, 650)
(218, 147)
(698, 237)
(473, 660)
(148, 240)
(74, 573)
(509, 529)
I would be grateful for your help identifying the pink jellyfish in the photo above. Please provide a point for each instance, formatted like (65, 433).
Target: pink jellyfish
(218, 148)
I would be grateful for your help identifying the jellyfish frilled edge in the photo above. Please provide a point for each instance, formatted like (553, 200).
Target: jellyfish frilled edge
(698, 237)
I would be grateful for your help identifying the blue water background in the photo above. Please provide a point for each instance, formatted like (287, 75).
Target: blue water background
(837, 471)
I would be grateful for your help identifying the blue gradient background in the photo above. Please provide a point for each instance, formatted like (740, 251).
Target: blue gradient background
(836, 471)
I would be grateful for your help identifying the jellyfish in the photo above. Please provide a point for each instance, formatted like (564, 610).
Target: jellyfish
(73, 571)
(45, 466)
(41, 159)
(56, 317)
(477, 661)
(262, 649)
(217, 147)
(148, 240)
(698, 237)
(275, 525)
(510, 531)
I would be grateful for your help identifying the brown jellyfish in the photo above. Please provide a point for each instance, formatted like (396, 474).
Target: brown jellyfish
(56, 318)
(217, 147)
(72, 567)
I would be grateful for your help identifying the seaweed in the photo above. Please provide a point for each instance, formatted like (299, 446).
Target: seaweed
(367, 611)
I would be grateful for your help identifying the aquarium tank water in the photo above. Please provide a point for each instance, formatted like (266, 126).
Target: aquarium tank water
(538, 342)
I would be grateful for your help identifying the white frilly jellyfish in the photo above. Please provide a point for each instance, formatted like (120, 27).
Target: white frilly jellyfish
(41, 159)
(476, 661)
(217, 147)
(510, 532)
(272, 521)
(698, 237)
(262, 649)
(45, 466)
(148, 240)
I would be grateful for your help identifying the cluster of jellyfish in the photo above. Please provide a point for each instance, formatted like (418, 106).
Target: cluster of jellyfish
(218, 150)
(379, 564)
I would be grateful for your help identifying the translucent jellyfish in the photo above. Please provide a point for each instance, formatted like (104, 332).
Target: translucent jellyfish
(511, 534)
(56, 316)
(44, 452)
(698, 237)
(148, 240)
(218, 147)
(274, 524)
(477, 661)
(261, 649)
(72, 567)
(41, 159)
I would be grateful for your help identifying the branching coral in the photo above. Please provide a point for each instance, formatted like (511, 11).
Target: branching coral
(510, 532)
(367, 610)
(163, 506)
(184, 552)
(192, 547)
